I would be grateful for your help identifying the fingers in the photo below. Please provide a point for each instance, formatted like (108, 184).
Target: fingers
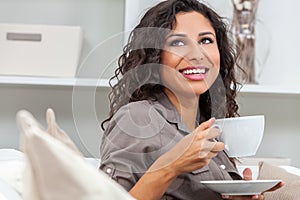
(204, 130)
(210, 143)
(279, 185)
(247, 173)
(205, 125)
(205, 137)
(211, 149)
(212, 146)
(212, 133)
(218, 146)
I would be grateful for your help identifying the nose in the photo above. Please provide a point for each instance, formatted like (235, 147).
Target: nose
(196, 52)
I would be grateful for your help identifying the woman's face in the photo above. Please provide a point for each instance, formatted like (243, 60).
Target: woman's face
(191, 54)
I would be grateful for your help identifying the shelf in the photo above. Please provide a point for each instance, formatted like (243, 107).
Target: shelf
(49, 81)
(270, 89)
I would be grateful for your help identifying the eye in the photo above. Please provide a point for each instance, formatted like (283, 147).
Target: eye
(206, 41)
(177, 43)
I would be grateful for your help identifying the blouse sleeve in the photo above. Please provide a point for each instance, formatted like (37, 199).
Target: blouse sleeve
(131, 143)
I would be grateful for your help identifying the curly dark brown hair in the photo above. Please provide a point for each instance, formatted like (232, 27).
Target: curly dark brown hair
(144, 48)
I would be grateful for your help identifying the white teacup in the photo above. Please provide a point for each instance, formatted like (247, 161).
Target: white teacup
(241, 135)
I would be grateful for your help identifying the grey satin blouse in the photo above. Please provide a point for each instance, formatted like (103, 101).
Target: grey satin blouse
(139, 133)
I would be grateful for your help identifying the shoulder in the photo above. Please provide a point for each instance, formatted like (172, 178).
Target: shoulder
(140, 113)
(136, 127)
(137, 106)
(140, 120)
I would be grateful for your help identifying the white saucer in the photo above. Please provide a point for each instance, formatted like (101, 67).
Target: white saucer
(240, 187)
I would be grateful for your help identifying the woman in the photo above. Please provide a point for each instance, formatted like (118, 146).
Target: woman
(177, 75)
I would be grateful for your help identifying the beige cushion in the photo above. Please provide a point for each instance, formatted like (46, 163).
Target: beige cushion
(55, 169)
(291, 189)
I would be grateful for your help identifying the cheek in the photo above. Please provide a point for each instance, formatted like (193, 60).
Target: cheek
(169, 59)
(214, 56)
(217, 62)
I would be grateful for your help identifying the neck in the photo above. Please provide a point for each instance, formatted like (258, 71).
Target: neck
(187, 107)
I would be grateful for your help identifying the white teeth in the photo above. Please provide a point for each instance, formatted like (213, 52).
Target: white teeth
(194, 71)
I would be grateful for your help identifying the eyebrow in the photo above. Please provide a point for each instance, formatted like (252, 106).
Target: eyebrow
(184, 35)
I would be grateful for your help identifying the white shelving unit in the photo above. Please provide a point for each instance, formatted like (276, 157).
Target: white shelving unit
(50, 81)
(36, 94)
(67, 96)
(53, 81)
(270, 89)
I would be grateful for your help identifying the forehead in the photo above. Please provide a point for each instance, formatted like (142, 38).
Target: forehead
(192, 22)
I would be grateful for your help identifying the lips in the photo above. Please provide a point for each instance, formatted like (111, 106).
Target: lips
(194, 73)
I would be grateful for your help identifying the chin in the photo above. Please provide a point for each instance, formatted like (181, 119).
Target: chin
(199, 92)
(200, 89)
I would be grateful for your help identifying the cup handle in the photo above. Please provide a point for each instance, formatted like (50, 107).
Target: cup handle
(219, 127)
(216, 126)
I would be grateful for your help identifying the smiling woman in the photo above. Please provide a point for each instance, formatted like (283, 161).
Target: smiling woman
(193, 52)
(175, 76)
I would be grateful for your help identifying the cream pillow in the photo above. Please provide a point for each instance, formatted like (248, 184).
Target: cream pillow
(291, 189)
(55, 169)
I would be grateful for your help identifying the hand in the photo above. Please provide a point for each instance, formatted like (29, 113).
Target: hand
(247, 173)
(193, 151)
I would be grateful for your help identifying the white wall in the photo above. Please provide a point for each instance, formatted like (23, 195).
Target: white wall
(282, 123)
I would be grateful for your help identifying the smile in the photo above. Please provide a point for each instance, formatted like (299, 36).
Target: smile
(194, 73)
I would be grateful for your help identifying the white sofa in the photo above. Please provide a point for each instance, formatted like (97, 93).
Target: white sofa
(12, 165)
